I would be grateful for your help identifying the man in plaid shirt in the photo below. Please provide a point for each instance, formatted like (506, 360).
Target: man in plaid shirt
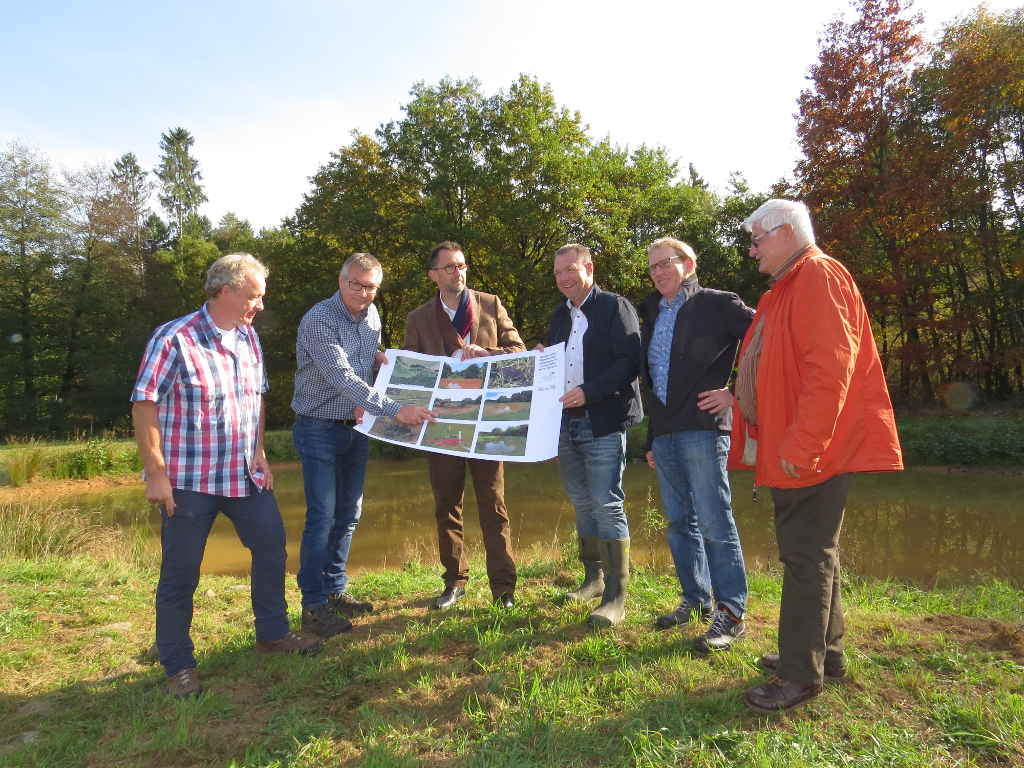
(198, 413)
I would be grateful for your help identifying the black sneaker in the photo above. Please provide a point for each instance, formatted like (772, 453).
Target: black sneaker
(684, 614)
(725, 629)
(321, 621)
(345, 605)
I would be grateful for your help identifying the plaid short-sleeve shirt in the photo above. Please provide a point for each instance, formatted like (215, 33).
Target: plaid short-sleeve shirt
(208, 399)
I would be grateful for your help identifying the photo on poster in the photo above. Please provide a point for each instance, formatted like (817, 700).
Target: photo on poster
(463, 375)
(517, 372)
(508, 406)
(410, 396)
(387, 428)
(464, 406)
(495, 440)
(415, 372)
(451, 436)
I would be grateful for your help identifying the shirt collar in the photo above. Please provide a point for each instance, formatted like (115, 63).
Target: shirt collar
(346, 312)
(571, 306)
(212, 332)
(686, 290)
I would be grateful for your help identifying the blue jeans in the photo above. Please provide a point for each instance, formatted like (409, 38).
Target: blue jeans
(701, 533)
(333, 460)
(183, 539)
(591, 470)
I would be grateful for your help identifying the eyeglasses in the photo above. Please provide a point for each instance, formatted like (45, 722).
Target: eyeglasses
(450, 268)
(756, 241)
(356, 287)
(658, 266)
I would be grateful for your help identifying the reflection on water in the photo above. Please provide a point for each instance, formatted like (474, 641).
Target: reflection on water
(914, 526)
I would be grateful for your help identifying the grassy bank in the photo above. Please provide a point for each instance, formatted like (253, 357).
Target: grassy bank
(937, 677)
(995, 440)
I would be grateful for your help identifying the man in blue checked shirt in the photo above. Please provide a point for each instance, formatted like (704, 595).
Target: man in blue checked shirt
(336, 352)
(198, 413)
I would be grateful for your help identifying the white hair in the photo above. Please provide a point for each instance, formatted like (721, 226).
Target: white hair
(231, 270)
(776, 213)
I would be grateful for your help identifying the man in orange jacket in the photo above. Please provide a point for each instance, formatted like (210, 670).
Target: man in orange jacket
(811, 408)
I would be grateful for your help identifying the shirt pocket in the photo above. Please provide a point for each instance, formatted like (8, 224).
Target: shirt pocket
(204, 401)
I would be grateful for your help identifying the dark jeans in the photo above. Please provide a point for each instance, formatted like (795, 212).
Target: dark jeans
(591, 469)
(183, 540)
(701, 533)
(334, 458)
(448, 480)
(807, 525)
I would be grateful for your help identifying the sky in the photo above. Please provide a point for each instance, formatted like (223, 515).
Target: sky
(270, 88)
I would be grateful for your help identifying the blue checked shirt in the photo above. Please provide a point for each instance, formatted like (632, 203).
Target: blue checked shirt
(334, 353)
(660, 350)
(208, 400)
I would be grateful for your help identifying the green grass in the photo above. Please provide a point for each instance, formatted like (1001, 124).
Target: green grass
(936, 678)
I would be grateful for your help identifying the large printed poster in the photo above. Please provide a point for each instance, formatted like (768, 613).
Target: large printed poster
(503, 407)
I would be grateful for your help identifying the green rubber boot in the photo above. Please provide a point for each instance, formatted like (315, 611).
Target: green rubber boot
(593, 576)
(615, 561)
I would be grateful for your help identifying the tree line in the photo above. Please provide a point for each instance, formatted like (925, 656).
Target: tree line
(913, 164)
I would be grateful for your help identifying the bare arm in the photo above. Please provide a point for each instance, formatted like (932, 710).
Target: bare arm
(147, 437)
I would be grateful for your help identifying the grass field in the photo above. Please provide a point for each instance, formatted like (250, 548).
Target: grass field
(387, 427)
(937, 678)
(420, 373)
(419, 397)
(466, 410)
(506, 411)
(452, 437)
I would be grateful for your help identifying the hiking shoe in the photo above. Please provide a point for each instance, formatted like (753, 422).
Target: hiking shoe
(684, 614)
(292, 642)
(725, 629)
(184, 683)
(321, 621)
(835, 665)
(345, 605)
(778, 694)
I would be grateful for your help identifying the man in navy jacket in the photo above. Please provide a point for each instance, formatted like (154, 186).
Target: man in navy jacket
(602, 398)
(690, 338)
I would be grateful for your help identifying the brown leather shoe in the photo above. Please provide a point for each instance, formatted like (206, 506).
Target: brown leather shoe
(184, 683)
(778, 694)
(292, 643)
(835, 665)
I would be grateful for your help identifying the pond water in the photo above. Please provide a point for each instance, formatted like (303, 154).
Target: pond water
(918, 526)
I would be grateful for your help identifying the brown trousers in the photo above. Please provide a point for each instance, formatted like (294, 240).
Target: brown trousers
(811, 624)
(448, 480)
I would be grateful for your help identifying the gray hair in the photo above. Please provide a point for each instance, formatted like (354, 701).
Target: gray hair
(231, 270)
(683, 250)
(582, 252)
(363, 261)
(777, 213)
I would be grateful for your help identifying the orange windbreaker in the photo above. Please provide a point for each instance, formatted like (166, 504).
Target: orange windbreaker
(822, 402)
